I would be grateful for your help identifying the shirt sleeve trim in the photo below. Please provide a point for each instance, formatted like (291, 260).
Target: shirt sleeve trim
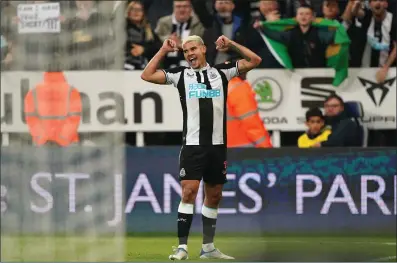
(166, 77)
(237, 71)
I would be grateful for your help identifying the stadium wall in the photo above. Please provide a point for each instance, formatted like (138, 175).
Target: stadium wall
(136, 190)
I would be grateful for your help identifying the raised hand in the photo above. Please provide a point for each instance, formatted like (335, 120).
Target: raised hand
(177, 40)
(137, 50)
(223, 43)
(257, 24)
(356, 4)
(273, 16)
(169, 45)
(381, 75)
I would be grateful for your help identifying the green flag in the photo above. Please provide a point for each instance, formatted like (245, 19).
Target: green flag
(337, 53)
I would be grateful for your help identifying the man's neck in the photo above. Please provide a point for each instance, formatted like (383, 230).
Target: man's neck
(380, 17)
(313, 134)
(226, 19)
(202, 66)
(304, 29)
(181, 21)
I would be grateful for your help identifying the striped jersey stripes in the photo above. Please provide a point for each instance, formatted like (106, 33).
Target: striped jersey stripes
(380, 37)
(203, 94)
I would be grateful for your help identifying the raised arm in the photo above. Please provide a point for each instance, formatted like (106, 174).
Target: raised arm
(250, 59)
(392, 56)
(354, 9)
(383, 71)
(151, 73)
(204, 15)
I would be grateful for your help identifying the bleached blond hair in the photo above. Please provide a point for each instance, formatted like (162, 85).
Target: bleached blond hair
(191, 39)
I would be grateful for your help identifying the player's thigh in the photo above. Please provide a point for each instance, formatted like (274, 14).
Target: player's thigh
(192, 163)
(217, 166)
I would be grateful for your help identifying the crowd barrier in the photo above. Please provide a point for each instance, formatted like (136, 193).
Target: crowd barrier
(136, 190)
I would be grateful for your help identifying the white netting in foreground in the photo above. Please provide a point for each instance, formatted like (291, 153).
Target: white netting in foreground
(60, 204)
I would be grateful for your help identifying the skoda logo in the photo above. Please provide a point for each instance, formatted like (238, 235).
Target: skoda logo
(268, 93)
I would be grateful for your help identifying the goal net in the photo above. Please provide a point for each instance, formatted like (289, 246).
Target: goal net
(59, 203)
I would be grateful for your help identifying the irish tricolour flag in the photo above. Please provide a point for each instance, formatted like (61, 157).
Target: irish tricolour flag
(337, 53)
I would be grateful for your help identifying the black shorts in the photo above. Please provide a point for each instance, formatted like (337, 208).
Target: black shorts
(203, 162)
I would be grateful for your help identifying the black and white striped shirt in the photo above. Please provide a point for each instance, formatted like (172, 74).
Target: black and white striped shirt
(373, 40)
(203, 94)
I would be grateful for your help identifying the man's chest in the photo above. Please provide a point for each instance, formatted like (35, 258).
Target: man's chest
(201, 85)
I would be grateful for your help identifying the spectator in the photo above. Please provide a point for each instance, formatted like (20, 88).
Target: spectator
(373, 34)
(142, 43)
(346, 131)
(306, 44)
(223, 22)
(317, 131)
(181, 24)
(331, 10)
(244, 125)
(252, 37)
(91, 33)
(294, 5)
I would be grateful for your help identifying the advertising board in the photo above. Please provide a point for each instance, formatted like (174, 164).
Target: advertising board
(283, 96)
(280, 191)
(119, 101)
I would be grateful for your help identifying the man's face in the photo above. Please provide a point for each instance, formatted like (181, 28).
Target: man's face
(194, 53)
(304, 16)
(182, 11)
(378, 7)
(224, 7)
(330, 9)
(267, 6)
(315, 124)
(333, 107)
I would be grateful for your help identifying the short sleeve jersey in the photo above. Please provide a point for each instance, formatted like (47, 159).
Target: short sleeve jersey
(203, 95)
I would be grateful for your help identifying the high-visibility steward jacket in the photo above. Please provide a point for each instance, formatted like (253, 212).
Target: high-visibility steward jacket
(244, 126)
(53, 111)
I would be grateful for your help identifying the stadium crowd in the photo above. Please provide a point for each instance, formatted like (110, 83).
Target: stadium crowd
(115, 35)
